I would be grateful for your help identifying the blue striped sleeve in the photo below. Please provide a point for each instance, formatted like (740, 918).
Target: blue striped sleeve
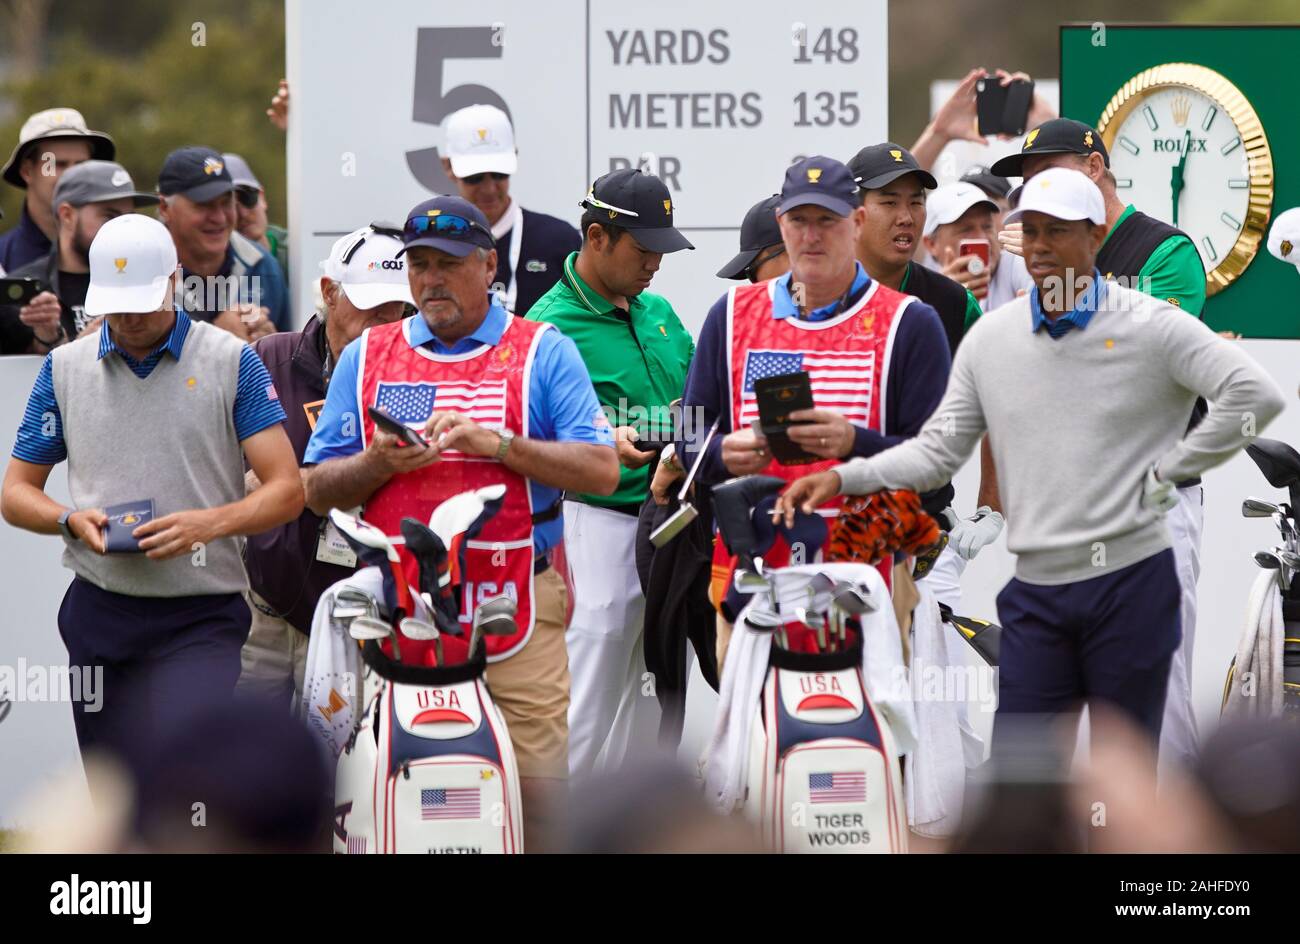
(257, 405)
(40, 434)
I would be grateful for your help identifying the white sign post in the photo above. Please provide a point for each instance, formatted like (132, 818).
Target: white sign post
(717, 99)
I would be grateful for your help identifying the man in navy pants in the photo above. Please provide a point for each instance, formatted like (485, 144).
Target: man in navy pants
(1082, 386)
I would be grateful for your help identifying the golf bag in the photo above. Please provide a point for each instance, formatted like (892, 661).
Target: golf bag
(430, 767)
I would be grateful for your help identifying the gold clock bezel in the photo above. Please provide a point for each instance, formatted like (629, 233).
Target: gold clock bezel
(1259, 156)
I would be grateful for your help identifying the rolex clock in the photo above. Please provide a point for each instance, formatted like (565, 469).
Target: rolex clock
(1187, 147)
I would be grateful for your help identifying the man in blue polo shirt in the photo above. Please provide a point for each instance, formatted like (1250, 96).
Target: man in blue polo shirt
(499, 400)
(155, 415)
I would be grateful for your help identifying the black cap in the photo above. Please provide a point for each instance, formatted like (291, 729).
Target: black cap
(449, 224)
(986, 180)
(759, 231)
(819, 181)
(640, 203)
(880, 164)
(197, 173)
(1057, 136)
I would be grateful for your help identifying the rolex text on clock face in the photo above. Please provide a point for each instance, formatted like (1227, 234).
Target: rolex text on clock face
(1178, 156)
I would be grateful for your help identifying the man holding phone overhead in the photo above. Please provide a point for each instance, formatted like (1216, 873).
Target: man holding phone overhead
(828, 319)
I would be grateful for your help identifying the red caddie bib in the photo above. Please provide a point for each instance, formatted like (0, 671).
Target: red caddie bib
(847, 361)
(490, 385)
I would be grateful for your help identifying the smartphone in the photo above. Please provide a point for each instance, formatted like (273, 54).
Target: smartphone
(385, 421)
(649, 445)
(777, 398)
(979, 248)
(1015, 113)
(19, 291)
(990, 101)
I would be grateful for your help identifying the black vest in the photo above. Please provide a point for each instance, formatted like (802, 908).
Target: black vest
(942, 294)
(1127, 250)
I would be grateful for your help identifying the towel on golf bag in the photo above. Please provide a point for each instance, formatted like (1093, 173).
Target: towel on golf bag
(935, 775)
(332, 694)
(745, 671)
(1256, 686)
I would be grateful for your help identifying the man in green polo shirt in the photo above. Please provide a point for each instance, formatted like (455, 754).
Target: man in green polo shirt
(1152, 257)
(637, 353)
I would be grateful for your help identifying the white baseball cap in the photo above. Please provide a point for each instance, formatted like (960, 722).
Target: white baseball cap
(947, 204)
(1284, 236)
(366, 264)
(131, 259)
(480, 140)
(1062, 192)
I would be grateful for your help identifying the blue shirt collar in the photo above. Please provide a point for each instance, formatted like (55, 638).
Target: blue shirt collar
(1082, 312)
(783, 304)
(489, 332)
(175, 340)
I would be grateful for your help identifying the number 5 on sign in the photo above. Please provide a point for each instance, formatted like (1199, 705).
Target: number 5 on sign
(434, 46)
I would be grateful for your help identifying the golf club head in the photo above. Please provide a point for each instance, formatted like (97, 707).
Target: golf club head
(1258, 508)
(492, 612)
(1268, 560)
(1290, 558)
(674, 525)
(343, 613)
(367, 627)
(413, 628)
(746, 581)
(853, 599)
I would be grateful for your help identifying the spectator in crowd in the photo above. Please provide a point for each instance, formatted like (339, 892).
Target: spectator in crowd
(962, 212)
(227, 279)
(250, 213)
(536, 428)
(364, 284)
(86, 197)
(637, 353)
(49, 143)
(531, 247)
(837, 311)
(155, 415)
(762, 254)
(997, 189)
(892, 187)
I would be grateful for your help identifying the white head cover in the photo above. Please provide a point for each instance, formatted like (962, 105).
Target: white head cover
(1062, 192)
(131, 259)
(372, 273)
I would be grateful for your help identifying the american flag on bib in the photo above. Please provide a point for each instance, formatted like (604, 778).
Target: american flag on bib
(356, 845)
(413, 403)
(842, 382)
(845, 787)
(450, 803)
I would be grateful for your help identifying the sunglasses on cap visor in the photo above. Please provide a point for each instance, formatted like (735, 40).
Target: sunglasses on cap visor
(247, 196)
(751, 270)
(380, 229)
(444, 224)
(591, 201)
(475, 179)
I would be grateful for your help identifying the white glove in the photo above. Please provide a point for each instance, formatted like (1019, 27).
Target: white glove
(972, 535)
(1157, 495)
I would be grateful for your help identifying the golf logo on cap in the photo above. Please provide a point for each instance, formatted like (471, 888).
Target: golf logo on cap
(814, 175)
(120, 178)
(212, 166)
(1286, 247)
(121, 265)
(897, 156)
(1030, 140)
(433, 213)
(482, 134)
(1087, 139)
(668, 208)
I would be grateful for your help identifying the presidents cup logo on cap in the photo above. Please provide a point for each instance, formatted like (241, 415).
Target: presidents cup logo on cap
(897, 156)
(1029, 139)
(120, 264)
(814, 175)
(212, 166)
(1087, 139)
(668, 208)
(1286, 247)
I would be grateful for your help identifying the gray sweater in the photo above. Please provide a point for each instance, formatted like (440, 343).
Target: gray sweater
(1075, 423)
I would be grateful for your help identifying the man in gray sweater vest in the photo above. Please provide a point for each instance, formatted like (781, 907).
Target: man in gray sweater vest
(154, 414)
(1082, 386)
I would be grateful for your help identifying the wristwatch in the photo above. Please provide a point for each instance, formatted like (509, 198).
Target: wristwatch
(507, 436)
(63, 524)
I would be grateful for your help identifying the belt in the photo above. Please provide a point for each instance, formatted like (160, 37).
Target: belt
(632, 511)
(541, 565)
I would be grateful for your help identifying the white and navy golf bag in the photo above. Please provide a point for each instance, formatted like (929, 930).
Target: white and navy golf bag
(429, 767)
(807, 739)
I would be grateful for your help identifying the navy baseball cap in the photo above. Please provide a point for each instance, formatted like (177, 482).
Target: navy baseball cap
(1056, 136)
(448, 224)
(757, 232)
(196, 173)
(639, 203)
(819, 181)
(986, 180)
(880, 164)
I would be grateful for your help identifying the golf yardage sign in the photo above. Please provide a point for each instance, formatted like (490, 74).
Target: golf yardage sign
(1186, 146)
